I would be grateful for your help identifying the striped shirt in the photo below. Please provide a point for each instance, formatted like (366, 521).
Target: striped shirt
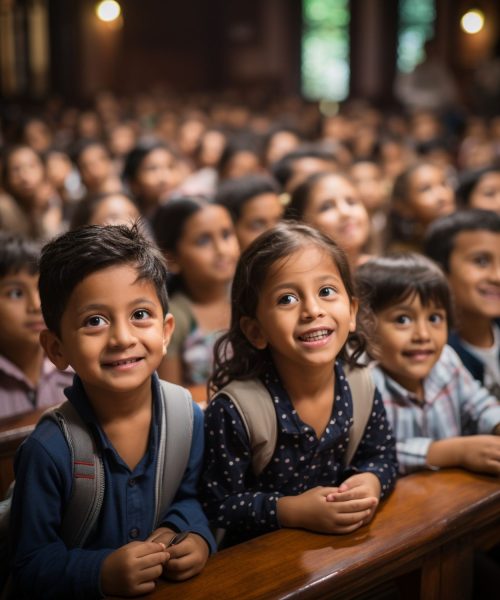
(454, 404)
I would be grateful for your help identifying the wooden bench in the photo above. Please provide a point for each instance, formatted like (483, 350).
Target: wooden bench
(421, 542)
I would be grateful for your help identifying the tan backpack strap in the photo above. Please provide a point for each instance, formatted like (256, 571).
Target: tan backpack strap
(362, 391)
(256, 409)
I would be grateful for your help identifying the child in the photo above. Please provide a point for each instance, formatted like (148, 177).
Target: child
(200, 245)
(292, 313)
(466, 245)
(103, 292)
(150, 171)
(435, 406)
(113, 208)
(254, 205)
(331, 203)
(480, 188)
(28, 380)
(421, 194)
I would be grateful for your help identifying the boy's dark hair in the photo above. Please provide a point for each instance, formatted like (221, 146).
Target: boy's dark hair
(17, 254)
(234, 355)
(283, 169)
(468, 181)
(439, 240)
(72, 256)
(387, 280)
(234, 193)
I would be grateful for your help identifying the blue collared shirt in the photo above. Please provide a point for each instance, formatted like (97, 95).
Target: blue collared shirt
(43, 567)
(245, 505)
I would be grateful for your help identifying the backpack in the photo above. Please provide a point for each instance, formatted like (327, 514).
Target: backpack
(84, 505)
(253, 402)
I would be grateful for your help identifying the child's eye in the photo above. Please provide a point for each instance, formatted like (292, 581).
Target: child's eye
(327, 291)
(481, 260)
(327, 205)
(436, 318)
(15, 293)
(95, 321)
(203, 240)
(287, 299)
(402, 319)
(227, 233)
(141, 314)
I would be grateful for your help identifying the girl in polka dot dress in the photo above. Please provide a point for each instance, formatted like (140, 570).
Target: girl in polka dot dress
(293, 311)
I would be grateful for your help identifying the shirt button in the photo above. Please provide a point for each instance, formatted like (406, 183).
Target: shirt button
(132, 482)
(133, 533)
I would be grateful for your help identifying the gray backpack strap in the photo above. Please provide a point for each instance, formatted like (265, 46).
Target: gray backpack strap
(256, 408)
(362, 391)
(87, 494)
(176, 434)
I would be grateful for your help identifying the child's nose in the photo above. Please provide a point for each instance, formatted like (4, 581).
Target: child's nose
(311, 309)
(121, 335)
(34, 304)
(421, 330)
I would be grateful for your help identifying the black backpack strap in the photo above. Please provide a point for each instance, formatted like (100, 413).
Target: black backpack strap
(84, 505)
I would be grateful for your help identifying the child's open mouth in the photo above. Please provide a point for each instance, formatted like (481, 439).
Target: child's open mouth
(315, 336)
(122, 363)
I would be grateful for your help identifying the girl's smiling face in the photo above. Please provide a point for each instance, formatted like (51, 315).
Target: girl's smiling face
(304, 314)
(334, 207)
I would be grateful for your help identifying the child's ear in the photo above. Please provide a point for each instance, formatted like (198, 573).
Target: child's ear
(168, 329)
(54, 349)
(353, 312)
(252, 331)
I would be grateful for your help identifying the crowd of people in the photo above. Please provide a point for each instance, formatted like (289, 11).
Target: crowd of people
(334, 264)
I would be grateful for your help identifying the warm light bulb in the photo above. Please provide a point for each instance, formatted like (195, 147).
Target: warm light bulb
(108, 10)
(472, 21)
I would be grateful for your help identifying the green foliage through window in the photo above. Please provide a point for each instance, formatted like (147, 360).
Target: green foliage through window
(325, 49)
(416, 25)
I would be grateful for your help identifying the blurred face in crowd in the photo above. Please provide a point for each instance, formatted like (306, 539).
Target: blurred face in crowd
(156, 176)
(486, 193)
(258, 214)
(24, 173)
(115, 209)
(335, 208)
(368, 179)
(95, 167)
(429, 194)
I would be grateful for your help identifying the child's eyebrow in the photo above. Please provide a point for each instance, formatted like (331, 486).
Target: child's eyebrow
(318, 280)
(98, 307)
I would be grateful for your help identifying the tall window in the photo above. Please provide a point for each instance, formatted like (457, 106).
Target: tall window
(325, 49)
(416, 25)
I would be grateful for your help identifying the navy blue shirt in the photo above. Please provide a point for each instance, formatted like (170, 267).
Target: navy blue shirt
(43, 567)
(245, 505)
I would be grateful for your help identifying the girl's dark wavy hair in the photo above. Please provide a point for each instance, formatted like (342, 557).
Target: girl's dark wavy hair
(387, 280)
(234, 355)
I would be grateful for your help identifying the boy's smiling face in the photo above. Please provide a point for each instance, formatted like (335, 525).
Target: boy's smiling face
(113, 333)
(474, 274)
(410, 337)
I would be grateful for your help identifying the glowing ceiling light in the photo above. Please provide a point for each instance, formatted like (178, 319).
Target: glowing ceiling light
(108, 10)
(472, 21)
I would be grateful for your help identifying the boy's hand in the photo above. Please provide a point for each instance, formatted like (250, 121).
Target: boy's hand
(187, 558)
(133, 569)
(361, 485)
(312, 510)
(481, 453)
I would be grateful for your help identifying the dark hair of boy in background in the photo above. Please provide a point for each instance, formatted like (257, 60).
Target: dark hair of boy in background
(253, 203)
(104, 299)
(466, 245)
(28, 380)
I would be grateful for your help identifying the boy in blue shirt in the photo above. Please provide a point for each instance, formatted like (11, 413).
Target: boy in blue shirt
(104, 301)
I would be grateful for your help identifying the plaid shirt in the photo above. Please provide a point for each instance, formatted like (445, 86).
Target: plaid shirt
(455, 404)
